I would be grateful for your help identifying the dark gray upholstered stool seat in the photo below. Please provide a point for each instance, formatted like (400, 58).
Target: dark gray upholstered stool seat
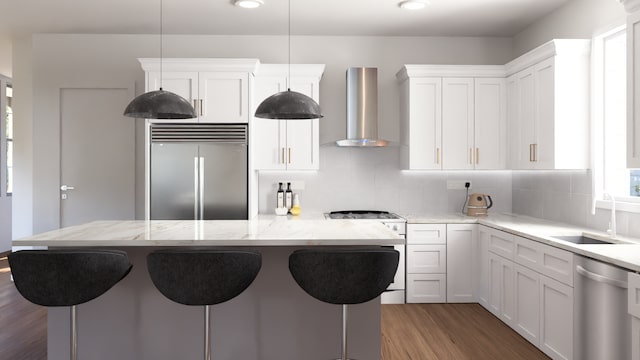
(344, 276)
(203, 277)
(67, 277)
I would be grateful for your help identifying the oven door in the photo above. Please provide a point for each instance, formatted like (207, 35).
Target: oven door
(395, 293)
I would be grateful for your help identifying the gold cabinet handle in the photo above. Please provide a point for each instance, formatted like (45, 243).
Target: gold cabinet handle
(289, 155)
(201, 108)
(477, 155)
(195, 105)
(530, 152)
(535, 152)
(282, 155)
(470, 156)
(438, 156)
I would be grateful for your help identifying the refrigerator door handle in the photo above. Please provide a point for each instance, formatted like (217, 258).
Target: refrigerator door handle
(201, 168)
(196, 187)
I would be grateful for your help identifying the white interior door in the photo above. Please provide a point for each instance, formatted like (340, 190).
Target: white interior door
(97, 156)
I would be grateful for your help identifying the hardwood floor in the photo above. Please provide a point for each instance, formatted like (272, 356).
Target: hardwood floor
(23, 325)
(409, 332)
(450, 331)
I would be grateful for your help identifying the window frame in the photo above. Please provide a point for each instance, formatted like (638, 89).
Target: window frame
(4, 81)
(623, 203)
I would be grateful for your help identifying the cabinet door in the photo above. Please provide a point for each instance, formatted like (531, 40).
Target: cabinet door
(426, 288)
(481, 266)
(526, 118)
(635, 338)
(490, 124)
(495, 284)
(527, 304)
(501, 288)
(224, 97)
(633, 301)
(184, 84)
(556, 319)
(460, 271)
(633, 90)
(268, 137)
(302, 148)
(425, 118)
(426, 259)
(513, 123)
(457, 123)
(545, 114)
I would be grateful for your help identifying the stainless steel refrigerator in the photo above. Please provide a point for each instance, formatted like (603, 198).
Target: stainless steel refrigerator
(198, 172)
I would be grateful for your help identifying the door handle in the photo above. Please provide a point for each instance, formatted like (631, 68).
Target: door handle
(438, 156)
(196, 187)
(201, 108)
(283, 162)
(201, 169)
(195, 105)
(470, 156)
(289, 155)
(600, 278)
(66, 187)
(477, 155)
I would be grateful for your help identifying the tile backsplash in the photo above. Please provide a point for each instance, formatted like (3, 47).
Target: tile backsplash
(371, 178)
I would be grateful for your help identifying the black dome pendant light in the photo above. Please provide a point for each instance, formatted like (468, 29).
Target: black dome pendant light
(289, 105)
(160, 104)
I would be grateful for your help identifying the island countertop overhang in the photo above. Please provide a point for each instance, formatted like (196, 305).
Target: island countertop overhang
(261, 232)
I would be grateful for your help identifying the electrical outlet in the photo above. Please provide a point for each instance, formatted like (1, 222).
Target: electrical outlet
(457, 184)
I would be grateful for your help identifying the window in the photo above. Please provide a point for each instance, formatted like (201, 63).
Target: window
(610, 173)
(9, 138)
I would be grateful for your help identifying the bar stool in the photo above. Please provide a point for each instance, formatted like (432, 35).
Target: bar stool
(203, 277)
(67, 278)
(344, 276)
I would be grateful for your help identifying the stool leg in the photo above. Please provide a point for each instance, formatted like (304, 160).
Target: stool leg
(344, 332)
(207, 330)
(74, 333)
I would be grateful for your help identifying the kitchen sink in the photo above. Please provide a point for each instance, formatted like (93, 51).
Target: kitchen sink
(581, 239)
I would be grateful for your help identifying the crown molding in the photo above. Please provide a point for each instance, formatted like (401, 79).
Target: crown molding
(450, 71)
(631, 5)
(200, 64)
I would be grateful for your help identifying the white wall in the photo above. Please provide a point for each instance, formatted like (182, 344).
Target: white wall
(77, 60)
(6, 54)
(578, 19)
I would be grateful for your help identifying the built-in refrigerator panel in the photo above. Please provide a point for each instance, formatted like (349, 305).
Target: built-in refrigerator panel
(198, 172)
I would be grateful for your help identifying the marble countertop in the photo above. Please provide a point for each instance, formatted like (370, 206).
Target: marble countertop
(263, 231)
(624, 252)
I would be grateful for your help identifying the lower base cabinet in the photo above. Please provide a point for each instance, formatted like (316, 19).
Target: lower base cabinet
(633, 303)
(556, 319)
(527, 304)
(426, 288)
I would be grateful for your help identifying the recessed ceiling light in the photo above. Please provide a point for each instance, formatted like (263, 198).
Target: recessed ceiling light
(248, 4)
(413, 4)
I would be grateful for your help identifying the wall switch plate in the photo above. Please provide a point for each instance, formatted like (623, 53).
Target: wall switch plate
(457, 184)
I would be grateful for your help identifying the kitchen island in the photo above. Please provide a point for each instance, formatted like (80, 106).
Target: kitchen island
(273, 319)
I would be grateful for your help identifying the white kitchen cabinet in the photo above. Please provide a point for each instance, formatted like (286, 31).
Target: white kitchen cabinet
(501, 285)
(481, 266)
(426, 288)
(426, 263)
(633, 84)
(286, 144)
(452, 117)
(217, 88)
(550, 122)
(633, 302)
(501, 243)
(527, 303)
(556, 319)
(461, 240)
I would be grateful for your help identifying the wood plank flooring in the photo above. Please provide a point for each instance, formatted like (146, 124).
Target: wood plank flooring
(450, 331)
(409, 332)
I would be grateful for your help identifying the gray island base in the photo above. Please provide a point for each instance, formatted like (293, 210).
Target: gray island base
(274, 319)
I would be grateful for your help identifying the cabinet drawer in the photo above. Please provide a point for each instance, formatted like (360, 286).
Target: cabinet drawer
(501, 243)
(426, 234)
(426, 288)
(634, 294)
(557, 264)
(527, 252)
(426, 259)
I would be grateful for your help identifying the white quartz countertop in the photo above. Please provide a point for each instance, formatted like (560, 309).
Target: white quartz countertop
(625, 252)
(264, 231)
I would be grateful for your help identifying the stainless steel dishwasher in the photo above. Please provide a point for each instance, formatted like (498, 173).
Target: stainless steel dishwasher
(602, 323)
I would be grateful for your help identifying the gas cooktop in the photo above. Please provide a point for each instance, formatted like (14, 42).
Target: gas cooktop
(363, 214)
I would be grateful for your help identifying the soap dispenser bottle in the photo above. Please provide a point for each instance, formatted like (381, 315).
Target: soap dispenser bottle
(280, 197)
(288, 197)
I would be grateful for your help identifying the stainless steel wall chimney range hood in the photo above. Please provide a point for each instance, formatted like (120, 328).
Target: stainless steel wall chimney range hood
(362, 108)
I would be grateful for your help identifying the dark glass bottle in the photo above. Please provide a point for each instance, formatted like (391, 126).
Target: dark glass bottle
(288, 197)
(280, 197)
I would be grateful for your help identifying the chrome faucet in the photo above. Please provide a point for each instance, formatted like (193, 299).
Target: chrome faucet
(612, 223)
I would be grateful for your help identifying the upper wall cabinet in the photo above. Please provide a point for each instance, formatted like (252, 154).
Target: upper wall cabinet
(633, 85)
(452, 117)
(218, 89)
(285, 144)
(548, 106)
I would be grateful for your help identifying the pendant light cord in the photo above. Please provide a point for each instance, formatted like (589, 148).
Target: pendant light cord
(289, 79)
(161, 45)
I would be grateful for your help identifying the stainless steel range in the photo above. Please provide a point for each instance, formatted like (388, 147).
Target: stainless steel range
(395, 293)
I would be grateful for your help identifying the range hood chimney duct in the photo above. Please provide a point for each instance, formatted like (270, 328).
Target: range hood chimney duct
(362, 108)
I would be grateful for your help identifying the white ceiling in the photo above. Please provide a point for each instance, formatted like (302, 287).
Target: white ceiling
(309, 17)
